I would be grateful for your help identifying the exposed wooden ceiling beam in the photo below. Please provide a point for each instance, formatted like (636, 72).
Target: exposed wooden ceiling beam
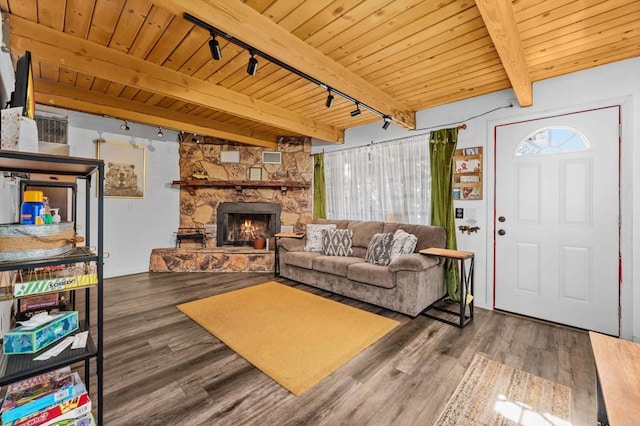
(86, 57)
(500, 21)
(68, 97)
(246, 24)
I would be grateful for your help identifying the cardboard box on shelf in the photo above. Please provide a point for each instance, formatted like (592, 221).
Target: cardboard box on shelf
(18, 133)
(25, 340)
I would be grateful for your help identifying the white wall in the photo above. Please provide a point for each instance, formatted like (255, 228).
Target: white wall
(133, 227)
(616, 83)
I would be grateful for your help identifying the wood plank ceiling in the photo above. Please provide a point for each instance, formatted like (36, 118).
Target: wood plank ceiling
(141, 60)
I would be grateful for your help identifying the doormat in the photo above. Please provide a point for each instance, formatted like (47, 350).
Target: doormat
(491, 393)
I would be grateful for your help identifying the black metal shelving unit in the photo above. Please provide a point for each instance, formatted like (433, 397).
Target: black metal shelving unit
(19, 367)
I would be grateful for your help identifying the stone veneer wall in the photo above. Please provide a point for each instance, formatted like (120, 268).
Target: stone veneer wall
(198, 207)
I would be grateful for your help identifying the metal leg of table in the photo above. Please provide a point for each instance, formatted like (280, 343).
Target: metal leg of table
(276, 261)
(466, 288)
(601, 415)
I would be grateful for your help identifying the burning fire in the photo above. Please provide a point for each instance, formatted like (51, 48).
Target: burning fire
(247, 230)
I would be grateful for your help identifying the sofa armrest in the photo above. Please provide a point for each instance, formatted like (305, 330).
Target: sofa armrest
(413, 262)
(292, 244)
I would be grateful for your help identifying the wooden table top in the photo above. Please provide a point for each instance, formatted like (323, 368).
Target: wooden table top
(618, 365)
(454, 254)
(288, 235)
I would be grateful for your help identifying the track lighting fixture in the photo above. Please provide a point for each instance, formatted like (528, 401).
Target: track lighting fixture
(125, 126)
(252, 66)
(329, 99)
(214, 46)
(356, 112)
(387, 122)
(160, 134)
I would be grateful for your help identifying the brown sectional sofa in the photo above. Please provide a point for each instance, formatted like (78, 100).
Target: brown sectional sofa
(409, 284)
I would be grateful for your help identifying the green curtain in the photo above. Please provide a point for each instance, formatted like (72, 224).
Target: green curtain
(319, 189)
(442, 147)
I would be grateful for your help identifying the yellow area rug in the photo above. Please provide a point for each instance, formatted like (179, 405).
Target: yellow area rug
(491, 393)
(295, 337)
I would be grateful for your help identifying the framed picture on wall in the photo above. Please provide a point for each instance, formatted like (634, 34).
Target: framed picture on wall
(124, 168)
(255, 173)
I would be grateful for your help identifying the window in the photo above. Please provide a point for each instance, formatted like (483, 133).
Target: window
(552, 140)
(387, 182)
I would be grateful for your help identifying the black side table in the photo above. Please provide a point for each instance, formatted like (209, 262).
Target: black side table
(466, 286)
(276, 257)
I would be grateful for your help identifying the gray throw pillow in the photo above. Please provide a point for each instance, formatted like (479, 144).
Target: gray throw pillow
(379, 249)
(403, 243)
(337, 242)
(314, 236)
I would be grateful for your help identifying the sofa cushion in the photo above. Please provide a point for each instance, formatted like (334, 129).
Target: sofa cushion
(428, 236)
(301, 259)
(337, 242)
(403, 243)
(291, 244)
(376, 275)
(314, 236)
(334, 265)
(379, 249)
(363, 231)
(340, 224)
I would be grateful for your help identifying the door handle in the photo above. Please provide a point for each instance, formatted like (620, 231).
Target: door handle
(501, 219)
(501, 232)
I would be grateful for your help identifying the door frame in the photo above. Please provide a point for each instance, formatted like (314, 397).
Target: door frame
(626, 202)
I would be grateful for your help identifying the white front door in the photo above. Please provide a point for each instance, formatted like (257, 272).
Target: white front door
(556, 219)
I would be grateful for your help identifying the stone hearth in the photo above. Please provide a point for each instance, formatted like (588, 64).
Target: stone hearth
(228, 259)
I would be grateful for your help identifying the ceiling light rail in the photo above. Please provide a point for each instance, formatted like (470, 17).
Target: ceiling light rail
(252, 67)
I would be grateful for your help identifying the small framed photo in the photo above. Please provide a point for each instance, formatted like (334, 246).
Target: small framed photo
(255, 173)
(469, 193)
(471, 151)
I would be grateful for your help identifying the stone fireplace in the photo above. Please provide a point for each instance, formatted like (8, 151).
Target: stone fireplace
(282, 197)
(239, 223)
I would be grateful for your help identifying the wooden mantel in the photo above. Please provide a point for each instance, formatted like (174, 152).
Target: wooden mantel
(240, 185)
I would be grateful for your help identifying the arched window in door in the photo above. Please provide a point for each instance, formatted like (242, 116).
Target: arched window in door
(552, 140)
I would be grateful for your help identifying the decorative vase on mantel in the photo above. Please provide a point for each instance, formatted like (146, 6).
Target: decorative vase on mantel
(258, 243)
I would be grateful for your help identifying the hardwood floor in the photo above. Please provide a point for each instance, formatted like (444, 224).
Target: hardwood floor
(163, 369)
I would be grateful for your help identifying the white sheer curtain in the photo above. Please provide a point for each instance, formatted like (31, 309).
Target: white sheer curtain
(388, 181)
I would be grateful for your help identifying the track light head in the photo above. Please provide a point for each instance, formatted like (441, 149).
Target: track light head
(125, 126)
(329, 99)
(387, 122)
(160, 134)
(214, 46)
(356, 112)
(252, 66)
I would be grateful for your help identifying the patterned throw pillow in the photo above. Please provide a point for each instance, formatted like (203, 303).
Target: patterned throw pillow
(314, 236)
(337, 242)
(403, 243)
(379, 249)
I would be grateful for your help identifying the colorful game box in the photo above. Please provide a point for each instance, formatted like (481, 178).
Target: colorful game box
(72, 409)
(54, 278)
(38, 393)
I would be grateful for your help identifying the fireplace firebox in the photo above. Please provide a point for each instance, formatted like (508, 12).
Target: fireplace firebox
(239, 223)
